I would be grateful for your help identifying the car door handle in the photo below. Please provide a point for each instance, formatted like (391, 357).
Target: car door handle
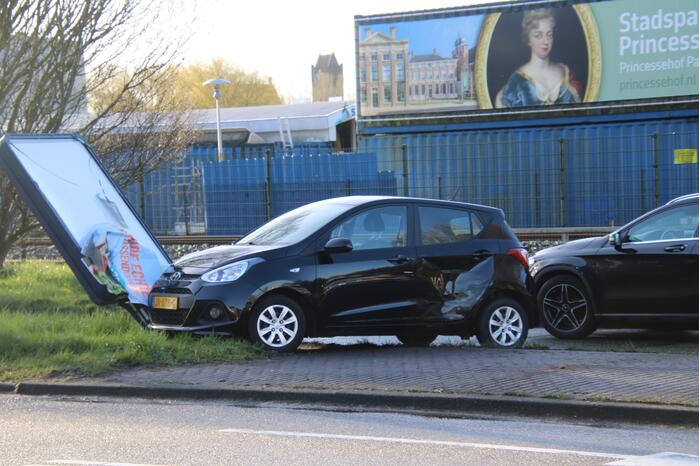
(399, 259)
(481, 254)
(675, 248)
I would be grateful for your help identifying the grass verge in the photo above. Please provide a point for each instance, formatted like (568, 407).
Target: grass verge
(49, 328)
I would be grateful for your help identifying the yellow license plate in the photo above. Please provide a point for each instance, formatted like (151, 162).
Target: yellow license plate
(165, 302)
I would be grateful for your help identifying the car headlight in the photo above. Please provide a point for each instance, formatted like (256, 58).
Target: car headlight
(531, 261)
(227, 273)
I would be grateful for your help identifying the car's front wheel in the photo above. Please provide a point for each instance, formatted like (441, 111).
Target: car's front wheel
(278, 323)
(565, 308)
(503, 324)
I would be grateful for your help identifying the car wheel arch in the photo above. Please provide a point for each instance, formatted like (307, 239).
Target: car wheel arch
(525, 301)
(549, 273)
(302, 299)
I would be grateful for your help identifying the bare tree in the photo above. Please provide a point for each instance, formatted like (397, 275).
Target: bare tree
(56, 53)
(142, 133)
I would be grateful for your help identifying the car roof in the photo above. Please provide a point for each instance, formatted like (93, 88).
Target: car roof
(360, 200)
(686, 197)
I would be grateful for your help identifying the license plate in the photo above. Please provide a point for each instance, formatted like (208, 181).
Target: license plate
(165, 302)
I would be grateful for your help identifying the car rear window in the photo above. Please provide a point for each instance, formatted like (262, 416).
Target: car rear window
(443, 225)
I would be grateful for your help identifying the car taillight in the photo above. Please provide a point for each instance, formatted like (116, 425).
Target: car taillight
(521, 255)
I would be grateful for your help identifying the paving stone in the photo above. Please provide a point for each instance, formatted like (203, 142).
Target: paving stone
(543, 373)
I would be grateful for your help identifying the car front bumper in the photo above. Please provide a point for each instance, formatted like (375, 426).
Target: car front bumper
(195, 300)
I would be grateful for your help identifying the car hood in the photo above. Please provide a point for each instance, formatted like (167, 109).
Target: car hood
(201, 261)
(572, 247)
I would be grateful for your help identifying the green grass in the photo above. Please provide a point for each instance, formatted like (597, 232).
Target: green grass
(49, 328)
(42, 286)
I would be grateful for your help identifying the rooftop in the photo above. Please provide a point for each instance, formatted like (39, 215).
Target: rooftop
(426, 58)
(273, 112)
(327, 62)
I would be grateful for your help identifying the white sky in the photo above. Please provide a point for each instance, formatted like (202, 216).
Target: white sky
(282, 39)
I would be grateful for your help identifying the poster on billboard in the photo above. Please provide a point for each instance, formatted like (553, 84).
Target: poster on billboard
(460, 60)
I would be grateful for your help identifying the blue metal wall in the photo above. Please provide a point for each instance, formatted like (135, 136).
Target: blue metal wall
(574, 172)
(169, 192)
(577, 175)
(237, 198)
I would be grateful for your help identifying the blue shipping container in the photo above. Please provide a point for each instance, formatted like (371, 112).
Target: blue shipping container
(574, 175)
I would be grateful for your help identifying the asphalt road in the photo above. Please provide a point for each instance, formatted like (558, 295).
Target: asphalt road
(42, 431)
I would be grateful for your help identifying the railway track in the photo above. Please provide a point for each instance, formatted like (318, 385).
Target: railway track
(45, 241)
(524, 234)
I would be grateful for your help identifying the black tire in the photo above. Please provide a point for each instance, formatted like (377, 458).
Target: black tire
(503, 323)
(566, 310)
(417, 340)
(282, 313)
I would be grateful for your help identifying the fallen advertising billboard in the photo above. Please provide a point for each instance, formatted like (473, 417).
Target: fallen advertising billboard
(504, 58)
(112, 253)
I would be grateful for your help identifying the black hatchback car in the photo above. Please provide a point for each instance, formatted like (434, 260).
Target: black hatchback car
(645, 274)
(414, 268)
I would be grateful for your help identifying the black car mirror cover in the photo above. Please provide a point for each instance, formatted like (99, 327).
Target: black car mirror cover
(338, 245)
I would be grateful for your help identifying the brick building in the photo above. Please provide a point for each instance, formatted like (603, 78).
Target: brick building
(432, 77)
(464, 69)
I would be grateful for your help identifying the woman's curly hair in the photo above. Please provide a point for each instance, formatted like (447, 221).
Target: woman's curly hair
(531, 18)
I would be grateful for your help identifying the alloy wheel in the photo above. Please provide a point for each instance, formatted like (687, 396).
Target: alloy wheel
(565, 307)
(277, 325)
(505, 326)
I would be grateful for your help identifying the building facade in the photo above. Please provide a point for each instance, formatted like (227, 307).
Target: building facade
(432, 77)
(383, 63)
(326, 78)
(464, 69)
(392, 76)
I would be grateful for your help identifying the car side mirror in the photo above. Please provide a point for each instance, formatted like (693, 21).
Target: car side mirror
(338, 245)
(615, 239)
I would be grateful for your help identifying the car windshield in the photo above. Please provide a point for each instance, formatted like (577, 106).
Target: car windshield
(295, 225)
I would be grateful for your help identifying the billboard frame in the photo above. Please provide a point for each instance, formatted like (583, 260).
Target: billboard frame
(51, 221)
(397, 118)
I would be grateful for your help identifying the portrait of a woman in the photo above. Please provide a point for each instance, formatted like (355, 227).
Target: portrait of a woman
(540, 81)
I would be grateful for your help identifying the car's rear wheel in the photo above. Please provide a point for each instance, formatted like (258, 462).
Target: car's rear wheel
(417, 340)
(565, 308)
(278, 323)
(503, 324)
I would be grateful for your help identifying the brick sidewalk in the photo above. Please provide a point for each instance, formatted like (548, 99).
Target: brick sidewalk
(648, 377)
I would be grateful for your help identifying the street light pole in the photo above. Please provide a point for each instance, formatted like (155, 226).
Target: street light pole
(217, 83)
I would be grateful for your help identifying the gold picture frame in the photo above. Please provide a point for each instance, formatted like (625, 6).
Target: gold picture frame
(590, 31)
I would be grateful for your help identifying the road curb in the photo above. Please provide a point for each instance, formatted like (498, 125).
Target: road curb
(7, 387)
(448, 405)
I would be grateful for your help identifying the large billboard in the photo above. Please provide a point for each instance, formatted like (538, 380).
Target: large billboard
(462, 60)
(111, 251)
